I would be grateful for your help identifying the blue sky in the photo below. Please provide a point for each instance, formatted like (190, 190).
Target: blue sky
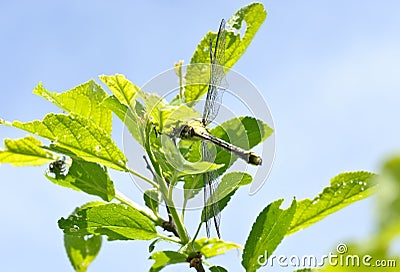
(328, 71)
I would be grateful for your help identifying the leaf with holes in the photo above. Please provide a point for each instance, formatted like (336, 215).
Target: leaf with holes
(88, 177)
(248, 18)
(116, 221)
(82, 250)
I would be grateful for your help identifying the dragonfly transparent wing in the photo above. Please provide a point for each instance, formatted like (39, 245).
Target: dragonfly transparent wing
(218, 82)
(211, 205)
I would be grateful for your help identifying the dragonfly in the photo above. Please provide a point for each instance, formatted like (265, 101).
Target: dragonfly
(197, 130)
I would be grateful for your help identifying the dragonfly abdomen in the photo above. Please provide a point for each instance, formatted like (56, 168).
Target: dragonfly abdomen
(245, 155)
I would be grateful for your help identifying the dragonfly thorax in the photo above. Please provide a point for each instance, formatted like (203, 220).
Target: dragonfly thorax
(192, 130)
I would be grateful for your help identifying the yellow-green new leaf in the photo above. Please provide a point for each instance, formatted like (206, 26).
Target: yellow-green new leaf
(123, 89)
(25, 152)
(84, 100)
(213, 247)
(164, 258)
(78, 135)
(125, 114)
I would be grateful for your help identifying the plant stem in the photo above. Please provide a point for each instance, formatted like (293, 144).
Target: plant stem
(133, 172)
(174, 213)
(162, 185)
(168, 238)
(144, 210)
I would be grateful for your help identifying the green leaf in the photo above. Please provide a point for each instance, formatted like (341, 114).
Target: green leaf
(182, 166)
(152, 199)
(345, 189)
(193, 184)
(116, 221)
(84, 100)
(152, 245)
(164, 116)
(124, 113)
(173, 117)
(82, 250)
(389, 194)
(123, 89)
(213, 247)
(88, 177)
(154, 105)
(26, 151)
(218, 269)
(245, 132)
(228, 185)
(266, 234)
(250, 18)
(164, 258)
(79, 136)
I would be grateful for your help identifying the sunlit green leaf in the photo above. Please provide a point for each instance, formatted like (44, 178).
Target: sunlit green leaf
(82, 250)
(182, 166)
(88, 177)
(266, 234)
(79, 136)
(123, 89)
(164, 258)
(116, 221)
(172, 117)
(152, 199)
(245, 132)
(124, 113)
(25, 152)
(84, 100)
(248, 18)
(344, 189)
(213, 247)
